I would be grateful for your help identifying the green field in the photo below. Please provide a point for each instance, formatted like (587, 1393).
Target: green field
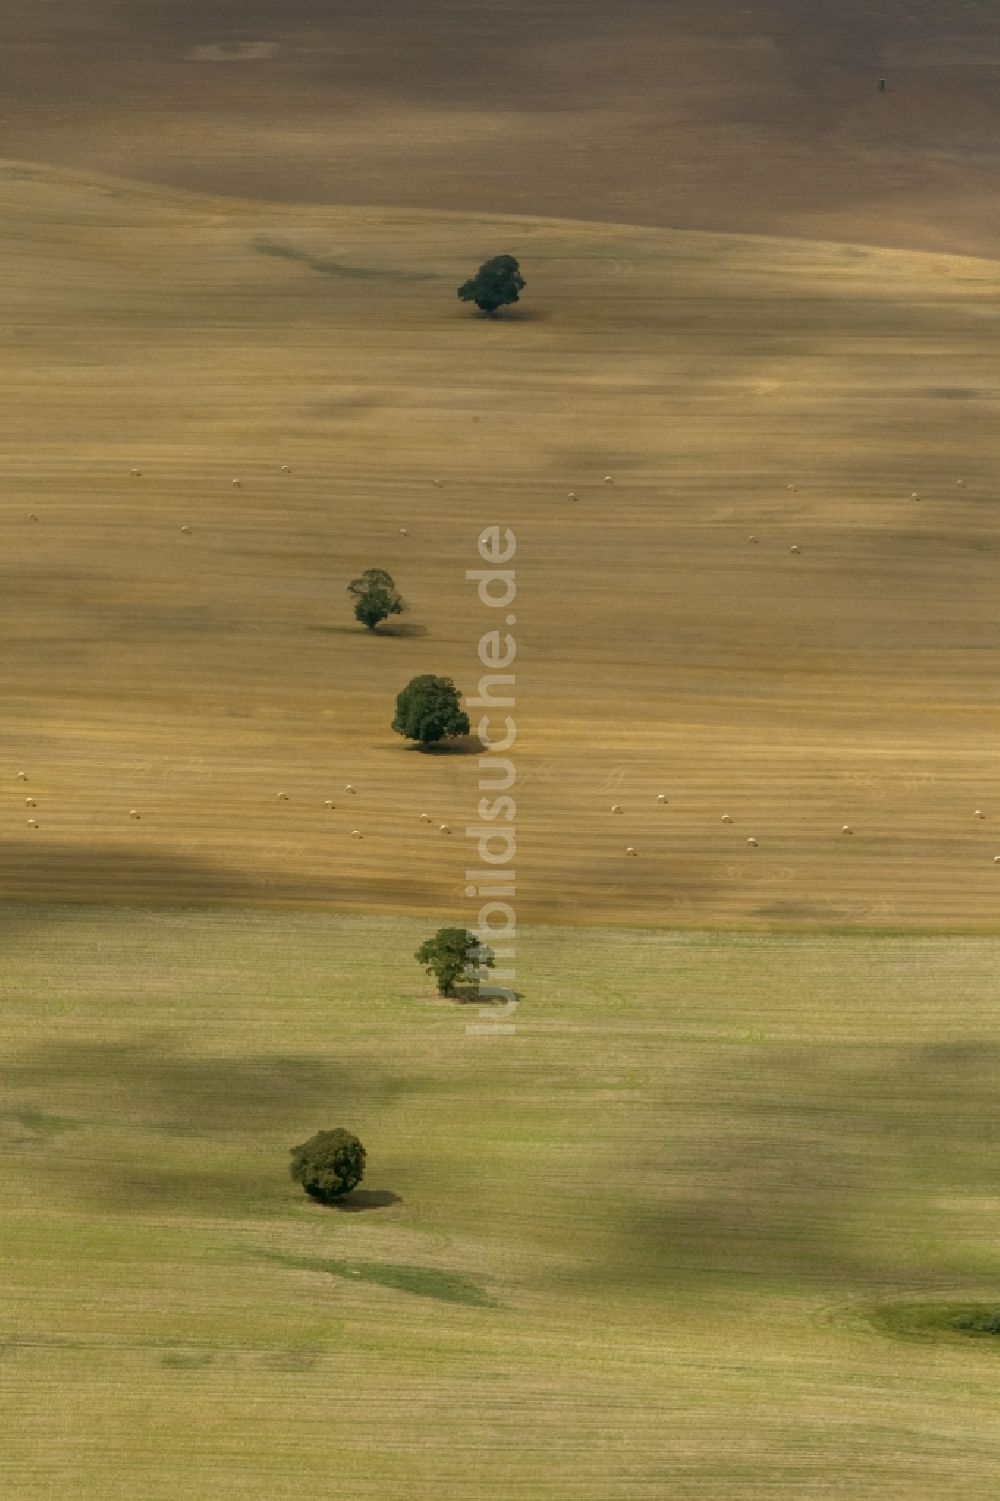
(633, 1250)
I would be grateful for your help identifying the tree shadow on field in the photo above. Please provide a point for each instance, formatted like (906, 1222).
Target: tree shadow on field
(521, 314)
(471, 995)
(455, 745)
(363, 1199)
(405, 631)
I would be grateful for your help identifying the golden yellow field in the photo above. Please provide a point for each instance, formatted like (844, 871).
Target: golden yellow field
(731, 386)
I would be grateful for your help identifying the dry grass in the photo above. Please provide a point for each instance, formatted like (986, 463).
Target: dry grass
(195, 676)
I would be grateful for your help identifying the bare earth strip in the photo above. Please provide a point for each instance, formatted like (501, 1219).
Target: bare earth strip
(193, 677)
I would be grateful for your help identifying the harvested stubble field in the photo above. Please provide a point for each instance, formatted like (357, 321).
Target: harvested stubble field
(641, 1249)
(797, 392)
(701, 114)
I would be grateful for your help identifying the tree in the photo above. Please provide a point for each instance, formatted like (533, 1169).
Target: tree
(496, 283)
(428, 709)
(454, 954)
(329, 1164)
(375, 597)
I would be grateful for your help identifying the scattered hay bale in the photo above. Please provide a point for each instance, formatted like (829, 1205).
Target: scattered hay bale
(630, 851)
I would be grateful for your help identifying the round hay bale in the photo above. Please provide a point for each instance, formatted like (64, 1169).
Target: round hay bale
(403, 532)
(133, 812)
(914, 496)
(22, 776)
(609, 479)
(847, 829)
(425, 818)
(286, 468)
(283, 797)
(29, 802)
(617, 808)
(136, 473)
(794, 551)
(752, 841)
(444, 829)
(751, 539)
(356, 834)
(790, 487)
(329, 803)
(726, 818)
(630, 851)
(350, 787)
(32, 823)
(32, 516)
(662, 798)
(960, 483)
(571, 495)
(237, 484)
(996, 859)
(979, 813)
(185, 529)
(439, 483)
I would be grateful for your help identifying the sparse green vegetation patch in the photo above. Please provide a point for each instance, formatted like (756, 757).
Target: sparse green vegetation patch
(423, 1281)
(979, 1321)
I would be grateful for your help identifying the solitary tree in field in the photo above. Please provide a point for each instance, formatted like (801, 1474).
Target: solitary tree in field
(496, 283)
(375, 597)
(428, 709)
(329, 1164)
(454, 954)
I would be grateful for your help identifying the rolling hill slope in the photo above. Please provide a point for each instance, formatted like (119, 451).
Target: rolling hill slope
(797, 392)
